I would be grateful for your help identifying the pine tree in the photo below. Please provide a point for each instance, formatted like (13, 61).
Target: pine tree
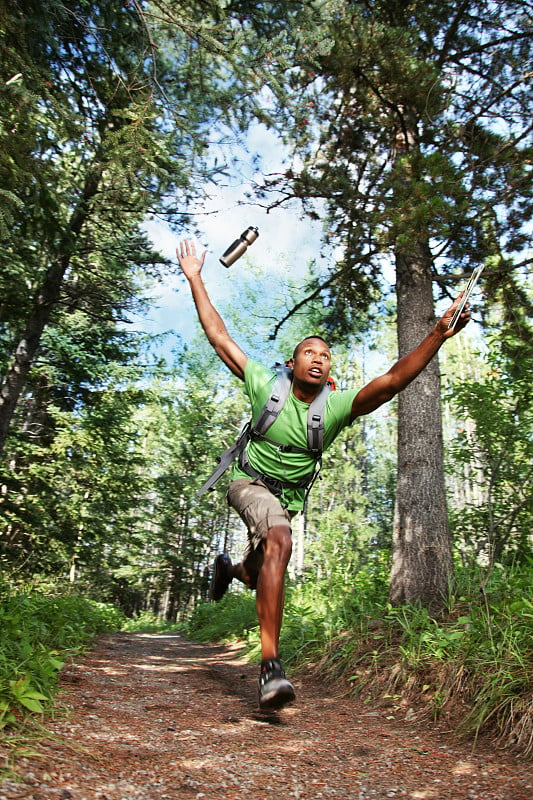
(412, 121)
(105, 117)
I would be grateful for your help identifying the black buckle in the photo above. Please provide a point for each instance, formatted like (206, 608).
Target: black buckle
(273, 485)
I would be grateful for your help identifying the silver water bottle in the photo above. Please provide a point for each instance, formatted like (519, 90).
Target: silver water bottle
(239, 246)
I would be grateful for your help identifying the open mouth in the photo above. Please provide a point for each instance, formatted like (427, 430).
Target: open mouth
(315, 372)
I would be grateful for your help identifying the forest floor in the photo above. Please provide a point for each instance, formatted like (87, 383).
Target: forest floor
(156, 717)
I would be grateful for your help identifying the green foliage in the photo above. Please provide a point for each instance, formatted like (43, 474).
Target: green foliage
(98, 128)
(147, 622)
(232, 618)
(410, 148)
(478, 655)
(39, 631)
(66, 497)
(106, 117)
(389, 138)
(492, 455)
(315, 612)
(113, 112)
(195, 415)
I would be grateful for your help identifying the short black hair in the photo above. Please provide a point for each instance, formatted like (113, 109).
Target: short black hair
(311, 336)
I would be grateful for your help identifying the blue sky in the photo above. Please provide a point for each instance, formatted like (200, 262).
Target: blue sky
(285, 246)
(286, 243)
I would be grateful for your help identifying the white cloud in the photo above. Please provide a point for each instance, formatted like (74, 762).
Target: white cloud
(286, 243)
(164, 239)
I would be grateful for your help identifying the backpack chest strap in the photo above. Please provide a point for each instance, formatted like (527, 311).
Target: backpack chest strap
(284, 448)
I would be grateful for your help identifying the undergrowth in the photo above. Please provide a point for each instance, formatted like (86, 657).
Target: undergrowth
(472, 665)
(39, 631)
(148, 622)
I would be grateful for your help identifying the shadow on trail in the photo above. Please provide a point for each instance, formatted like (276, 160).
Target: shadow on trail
(207, 669)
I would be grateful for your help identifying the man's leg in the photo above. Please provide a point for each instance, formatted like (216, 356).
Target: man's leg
(270, 596)
(246, 571)
(263, 568)
(274, 688)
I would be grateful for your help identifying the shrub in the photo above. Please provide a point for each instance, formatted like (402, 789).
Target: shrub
(38, 633)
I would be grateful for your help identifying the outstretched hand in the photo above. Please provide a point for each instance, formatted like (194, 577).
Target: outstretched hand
(190, 263)
(463, 320)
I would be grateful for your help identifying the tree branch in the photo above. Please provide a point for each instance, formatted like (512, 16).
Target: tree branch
(303, 302)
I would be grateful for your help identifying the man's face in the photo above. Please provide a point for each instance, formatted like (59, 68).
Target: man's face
(311, 363)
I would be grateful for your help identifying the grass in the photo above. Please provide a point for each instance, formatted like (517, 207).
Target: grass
(39, 632)
(472, 666)
(148, 622)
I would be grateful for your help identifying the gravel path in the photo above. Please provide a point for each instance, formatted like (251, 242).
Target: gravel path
(155, 717)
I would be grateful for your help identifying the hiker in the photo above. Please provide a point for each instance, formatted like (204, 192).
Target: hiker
(268, 483)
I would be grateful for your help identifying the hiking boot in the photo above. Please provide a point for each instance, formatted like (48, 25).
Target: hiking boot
(221, 578)
(274, 688)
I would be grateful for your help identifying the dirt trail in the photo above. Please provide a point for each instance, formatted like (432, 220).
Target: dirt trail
(154, 717)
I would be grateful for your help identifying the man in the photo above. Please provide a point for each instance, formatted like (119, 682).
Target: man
(267, 512)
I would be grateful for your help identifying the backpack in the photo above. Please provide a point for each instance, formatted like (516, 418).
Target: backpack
(255, 430)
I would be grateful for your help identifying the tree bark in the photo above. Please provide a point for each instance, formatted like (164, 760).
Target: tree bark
(47, 297)
(422, 566)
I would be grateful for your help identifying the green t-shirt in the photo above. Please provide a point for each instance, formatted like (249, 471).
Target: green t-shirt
(289, 427)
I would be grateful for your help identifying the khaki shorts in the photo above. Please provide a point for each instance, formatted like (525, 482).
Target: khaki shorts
(258, 508)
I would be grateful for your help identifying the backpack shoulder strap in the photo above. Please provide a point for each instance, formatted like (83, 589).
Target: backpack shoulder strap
(226, 459)
(315, 414)
(276, 401)
(265, 418)
(315, 421)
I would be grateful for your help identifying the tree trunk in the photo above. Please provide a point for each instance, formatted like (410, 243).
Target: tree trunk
(45, 301)
(422, 565)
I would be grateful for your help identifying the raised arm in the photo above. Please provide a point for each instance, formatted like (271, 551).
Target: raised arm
(382, 389)
(212, 323)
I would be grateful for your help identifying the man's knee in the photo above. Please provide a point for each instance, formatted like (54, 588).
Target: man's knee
(278, 542)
